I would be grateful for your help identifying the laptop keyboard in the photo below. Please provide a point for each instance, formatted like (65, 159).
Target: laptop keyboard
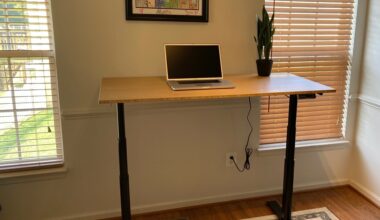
(199, 82)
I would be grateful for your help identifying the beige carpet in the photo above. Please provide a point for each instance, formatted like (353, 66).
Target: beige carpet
(311, 214)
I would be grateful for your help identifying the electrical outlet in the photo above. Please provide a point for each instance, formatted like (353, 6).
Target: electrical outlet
(229, 162)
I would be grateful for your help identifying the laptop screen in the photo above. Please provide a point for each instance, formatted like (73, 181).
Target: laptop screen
(193, 62)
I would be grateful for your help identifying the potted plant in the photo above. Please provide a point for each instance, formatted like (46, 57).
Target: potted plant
(264, 43)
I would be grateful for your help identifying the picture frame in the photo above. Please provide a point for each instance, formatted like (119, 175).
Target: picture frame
(167, 10)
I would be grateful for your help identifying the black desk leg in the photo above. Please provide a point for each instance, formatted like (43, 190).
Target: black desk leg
(123, 165)
(285, 212)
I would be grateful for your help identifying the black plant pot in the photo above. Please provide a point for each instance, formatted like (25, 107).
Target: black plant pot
(264, 67)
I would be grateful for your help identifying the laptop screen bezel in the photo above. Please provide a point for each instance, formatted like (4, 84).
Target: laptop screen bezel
(194, 79)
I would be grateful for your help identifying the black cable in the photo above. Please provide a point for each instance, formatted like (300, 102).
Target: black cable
(248, 151)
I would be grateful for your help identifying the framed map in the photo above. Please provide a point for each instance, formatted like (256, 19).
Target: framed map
(168, 10)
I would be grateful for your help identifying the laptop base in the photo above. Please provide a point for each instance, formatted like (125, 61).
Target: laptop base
(198, 85)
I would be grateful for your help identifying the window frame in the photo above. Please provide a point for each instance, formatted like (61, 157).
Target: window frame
(357, 47)
(56, 162)
(346, 124)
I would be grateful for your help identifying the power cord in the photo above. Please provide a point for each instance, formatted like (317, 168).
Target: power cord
(248, 151)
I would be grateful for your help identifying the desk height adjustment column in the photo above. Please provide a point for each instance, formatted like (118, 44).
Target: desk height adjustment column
(123, 165)
(285, 212)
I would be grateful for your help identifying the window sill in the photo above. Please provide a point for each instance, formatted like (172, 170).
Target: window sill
(33, 175)
(304, 146)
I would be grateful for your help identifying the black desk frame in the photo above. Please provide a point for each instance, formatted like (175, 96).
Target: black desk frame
(283, 213)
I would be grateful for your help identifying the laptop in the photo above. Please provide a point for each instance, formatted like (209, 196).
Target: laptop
(194, 66)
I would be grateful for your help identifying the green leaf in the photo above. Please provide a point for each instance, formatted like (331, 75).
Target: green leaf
(265, 32)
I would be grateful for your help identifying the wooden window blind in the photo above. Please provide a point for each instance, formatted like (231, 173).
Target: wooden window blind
(312, 40)
(30, 127)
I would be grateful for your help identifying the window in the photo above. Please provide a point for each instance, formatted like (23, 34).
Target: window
(30, 127)
(312, 40)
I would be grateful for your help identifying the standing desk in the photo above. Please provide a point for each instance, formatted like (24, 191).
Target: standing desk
(120, 90)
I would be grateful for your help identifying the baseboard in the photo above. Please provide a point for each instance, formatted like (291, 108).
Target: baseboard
(231, 197)
(366, 193)
(92, 216)
(228, 197)
(206, 200)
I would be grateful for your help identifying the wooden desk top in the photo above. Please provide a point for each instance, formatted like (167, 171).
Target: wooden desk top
(149, 89)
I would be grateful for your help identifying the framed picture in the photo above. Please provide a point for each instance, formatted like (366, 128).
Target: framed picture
(167, 10)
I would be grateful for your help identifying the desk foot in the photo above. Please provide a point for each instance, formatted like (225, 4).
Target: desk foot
(276, 209)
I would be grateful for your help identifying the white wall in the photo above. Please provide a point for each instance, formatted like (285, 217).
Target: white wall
(365, 165)
(176, 150)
